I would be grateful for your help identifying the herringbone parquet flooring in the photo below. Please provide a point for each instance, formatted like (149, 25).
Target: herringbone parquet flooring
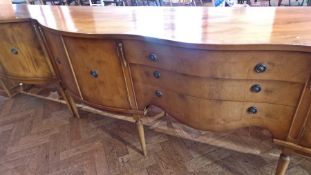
(40, 137)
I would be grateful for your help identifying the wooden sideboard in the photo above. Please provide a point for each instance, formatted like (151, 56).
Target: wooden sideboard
(214, 69)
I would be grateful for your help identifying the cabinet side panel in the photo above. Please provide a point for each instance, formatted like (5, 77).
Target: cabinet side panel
(61, 61)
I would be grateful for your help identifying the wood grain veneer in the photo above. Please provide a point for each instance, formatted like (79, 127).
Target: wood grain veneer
(107, 88)
(205, 62)
(277, 26)
(28, 62)
(277, 92)
(281, 65)
(55, 44)
(217, 115)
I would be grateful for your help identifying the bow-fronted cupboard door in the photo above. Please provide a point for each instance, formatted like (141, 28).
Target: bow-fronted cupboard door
(22, 57)
(97, 68)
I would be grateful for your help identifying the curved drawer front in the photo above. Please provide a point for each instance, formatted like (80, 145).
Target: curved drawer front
(278, 65)
(275, 92)
(98, 70)
(21, 55)
(217, 115)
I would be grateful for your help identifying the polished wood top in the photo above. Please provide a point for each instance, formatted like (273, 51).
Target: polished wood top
(200, 25)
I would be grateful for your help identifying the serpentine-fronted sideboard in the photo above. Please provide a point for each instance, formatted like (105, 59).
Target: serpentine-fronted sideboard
(213, 69)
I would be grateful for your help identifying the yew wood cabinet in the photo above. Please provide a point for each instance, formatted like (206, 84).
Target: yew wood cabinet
(124, 60)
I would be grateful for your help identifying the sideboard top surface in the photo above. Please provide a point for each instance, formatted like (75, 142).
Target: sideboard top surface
(198, 25)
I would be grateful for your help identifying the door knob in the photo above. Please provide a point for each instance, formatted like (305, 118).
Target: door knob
(93, 73)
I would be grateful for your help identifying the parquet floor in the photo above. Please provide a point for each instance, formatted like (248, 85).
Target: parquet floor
(40, 137)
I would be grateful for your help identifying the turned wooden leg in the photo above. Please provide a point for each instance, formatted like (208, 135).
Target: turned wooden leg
(282, 164)
(70, 103)
(141, 133)
(5, 88)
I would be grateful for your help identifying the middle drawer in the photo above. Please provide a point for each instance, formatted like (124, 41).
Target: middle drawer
(264, 91)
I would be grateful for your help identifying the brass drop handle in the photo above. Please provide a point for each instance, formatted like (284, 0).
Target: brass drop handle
(93, 73)
(14, 51)
(158, 93)
(260, 68)
(156, 74)
(252, 110)
(153, 57)
(256, 88)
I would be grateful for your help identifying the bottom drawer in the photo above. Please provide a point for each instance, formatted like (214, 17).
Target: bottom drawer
(216, 115)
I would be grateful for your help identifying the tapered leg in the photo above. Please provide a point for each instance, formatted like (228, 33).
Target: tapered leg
(141, 133)
(73, 105)
(70, 103)
(282, 164)
(5, 88)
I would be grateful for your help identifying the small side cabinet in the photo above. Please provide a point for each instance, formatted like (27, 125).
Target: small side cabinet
(22, 57)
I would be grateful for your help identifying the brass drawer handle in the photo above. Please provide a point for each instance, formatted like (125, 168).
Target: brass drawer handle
(153, 57)
(256, 88)
(93, 73)
(260, 68)
(14, 51)
(252, 110)
(158, 93)
(156, 74)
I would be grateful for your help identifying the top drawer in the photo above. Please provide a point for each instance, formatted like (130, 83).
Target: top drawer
(271, 65)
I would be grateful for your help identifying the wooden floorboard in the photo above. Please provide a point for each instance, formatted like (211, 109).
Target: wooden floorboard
(40, 137)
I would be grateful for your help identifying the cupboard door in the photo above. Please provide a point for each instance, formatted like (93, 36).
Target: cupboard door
(21, 55)
(98, 70)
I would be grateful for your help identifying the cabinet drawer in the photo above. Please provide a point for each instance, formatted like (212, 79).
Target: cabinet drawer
(267, 91)
(276, 65)
(21, 55)
(216, 115)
